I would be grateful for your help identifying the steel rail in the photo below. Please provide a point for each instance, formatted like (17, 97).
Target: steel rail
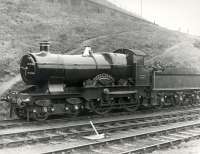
(165, 136)
(25, 137)
(5, 124)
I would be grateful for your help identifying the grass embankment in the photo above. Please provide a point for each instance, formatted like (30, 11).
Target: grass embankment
(24, 23)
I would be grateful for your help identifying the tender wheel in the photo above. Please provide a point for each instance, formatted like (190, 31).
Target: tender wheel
(187, 99)
(195, 99)
(170, 100)
(177, 100)
(40, 114)
(130, 104)
(158, 102)
(100, 106)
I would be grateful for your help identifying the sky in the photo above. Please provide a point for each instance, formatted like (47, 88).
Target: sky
(182, 15)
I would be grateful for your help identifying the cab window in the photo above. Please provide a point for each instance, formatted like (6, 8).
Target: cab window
(139, 59)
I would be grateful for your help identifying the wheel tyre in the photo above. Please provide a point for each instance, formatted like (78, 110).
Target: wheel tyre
(159, 104)
(132, 108)
(42, 116)
(21, 113)
(73, 111)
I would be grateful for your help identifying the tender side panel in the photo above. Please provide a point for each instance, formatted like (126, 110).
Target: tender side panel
(164, 81)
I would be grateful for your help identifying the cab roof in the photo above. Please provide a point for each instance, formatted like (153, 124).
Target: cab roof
(131, 51)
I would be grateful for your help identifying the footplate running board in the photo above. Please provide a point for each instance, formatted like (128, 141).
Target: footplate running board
(120, 93)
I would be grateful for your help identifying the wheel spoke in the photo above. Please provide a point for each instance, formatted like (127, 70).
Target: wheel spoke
(21, 113)
(101, 107)
(130, 104)
(40, 115)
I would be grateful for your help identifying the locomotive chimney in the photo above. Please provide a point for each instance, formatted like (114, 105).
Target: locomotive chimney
(44, 46)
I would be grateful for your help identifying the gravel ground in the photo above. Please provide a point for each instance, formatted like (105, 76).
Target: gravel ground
(191, 147)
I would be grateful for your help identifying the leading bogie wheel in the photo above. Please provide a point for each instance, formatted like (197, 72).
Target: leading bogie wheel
(20, 112)
(39, 114)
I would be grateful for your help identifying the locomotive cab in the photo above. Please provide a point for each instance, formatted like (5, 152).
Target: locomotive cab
(135, 61)
(133, 56)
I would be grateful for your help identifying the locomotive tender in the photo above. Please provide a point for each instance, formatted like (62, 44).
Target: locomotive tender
(98, 82)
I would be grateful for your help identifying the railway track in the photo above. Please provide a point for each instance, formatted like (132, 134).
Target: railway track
(131, 141)
(57, 134)
(4, 124)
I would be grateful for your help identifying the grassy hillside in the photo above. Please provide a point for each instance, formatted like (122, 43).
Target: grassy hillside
(24, 23)
(183, 54)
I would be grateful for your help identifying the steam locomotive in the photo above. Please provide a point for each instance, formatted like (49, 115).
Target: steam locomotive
(97, 82)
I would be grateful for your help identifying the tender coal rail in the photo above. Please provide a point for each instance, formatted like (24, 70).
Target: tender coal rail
(66, 132)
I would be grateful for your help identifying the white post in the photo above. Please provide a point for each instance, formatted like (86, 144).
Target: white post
(94, 128)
